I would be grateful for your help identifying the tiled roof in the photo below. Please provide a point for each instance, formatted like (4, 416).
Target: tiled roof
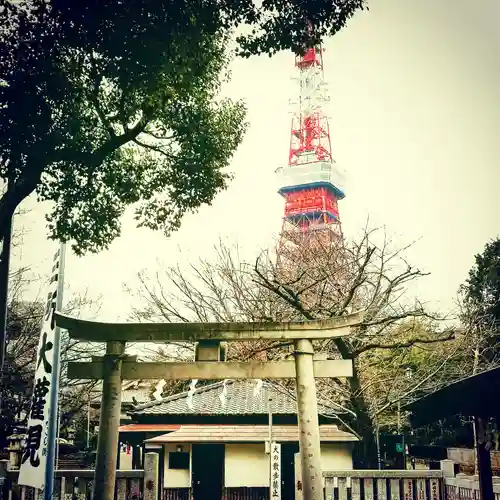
(247, 433)
(148, 427)
(240, 399)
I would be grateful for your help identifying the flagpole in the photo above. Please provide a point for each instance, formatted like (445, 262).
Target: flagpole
(53, 417)
(4, 296)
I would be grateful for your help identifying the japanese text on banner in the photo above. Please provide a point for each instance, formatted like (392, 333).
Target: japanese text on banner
(34, 455)
(275, 472)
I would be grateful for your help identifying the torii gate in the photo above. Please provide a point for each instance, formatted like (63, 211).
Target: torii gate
(115, 366)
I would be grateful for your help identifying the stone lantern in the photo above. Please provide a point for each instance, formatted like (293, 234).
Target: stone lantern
(15, 447)
(70, 435)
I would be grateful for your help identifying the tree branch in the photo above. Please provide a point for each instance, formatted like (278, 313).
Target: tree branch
(153, 148)
(401, 345)
(359, 280)
(419, 384)
(94, 97)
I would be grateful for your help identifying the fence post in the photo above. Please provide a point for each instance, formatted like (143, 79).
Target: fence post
(151, 476)
(4, 482)
(449, 487)
(448, 468)
(121, 488)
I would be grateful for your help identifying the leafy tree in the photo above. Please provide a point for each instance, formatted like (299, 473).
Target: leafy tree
(480, 302)
(482, 288)
(108, 104)
(317, 283)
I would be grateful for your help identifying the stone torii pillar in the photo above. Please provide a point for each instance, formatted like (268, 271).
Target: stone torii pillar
(115, 367)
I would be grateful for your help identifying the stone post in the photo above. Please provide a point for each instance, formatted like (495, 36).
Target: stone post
(448, 468)
(151, 478)
(307, 410)
(4, 482)
(109, 422)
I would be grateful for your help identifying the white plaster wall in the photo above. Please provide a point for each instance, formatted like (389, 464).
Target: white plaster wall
(246, 465)
(125, 460)
(175, 478)
(336, 456)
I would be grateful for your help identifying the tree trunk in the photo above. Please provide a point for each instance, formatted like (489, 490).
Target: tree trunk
(17, 191)
(365, 454)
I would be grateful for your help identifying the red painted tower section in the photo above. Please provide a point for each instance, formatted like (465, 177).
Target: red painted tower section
(311, 183)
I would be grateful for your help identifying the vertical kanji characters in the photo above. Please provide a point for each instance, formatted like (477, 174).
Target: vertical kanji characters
(275, 472)
(42, 355)
(42, 387)
(50, 307)
(32, 445)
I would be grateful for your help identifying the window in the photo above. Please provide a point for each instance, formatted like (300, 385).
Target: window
(178, 460)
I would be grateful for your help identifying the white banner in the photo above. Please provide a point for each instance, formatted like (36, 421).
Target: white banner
(275, 472)
(34, 455)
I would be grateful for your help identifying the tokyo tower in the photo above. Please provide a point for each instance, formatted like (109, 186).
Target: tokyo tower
(311, 183)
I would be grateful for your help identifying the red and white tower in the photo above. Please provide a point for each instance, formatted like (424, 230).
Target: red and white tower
(311, 183)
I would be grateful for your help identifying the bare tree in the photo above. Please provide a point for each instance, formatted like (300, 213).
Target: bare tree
(318, 281)
(23, 332)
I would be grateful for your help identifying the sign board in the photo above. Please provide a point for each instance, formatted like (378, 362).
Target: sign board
(399, 447)
(275, 472)
(298, 477)
(34, 454)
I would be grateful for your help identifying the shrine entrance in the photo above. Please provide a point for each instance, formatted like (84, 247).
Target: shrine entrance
(210, 364)
(288, 451)
(207, 471)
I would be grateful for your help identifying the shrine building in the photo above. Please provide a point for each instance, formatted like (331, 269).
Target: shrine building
(215, 440)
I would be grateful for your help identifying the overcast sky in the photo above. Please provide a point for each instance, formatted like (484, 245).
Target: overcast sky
(415, 122)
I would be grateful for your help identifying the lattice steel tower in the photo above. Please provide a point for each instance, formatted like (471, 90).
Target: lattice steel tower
(311, 183)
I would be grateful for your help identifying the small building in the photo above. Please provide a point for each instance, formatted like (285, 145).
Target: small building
(214, 442)
(471, 395)
(134, 393)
